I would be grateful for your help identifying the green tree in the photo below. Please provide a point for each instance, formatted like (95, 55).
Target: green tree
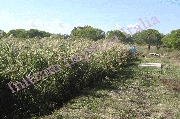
(36, 33)
(88, 32)
(137, 38)
(120, 36)
(18, 33)
(44, 34)
(150, 37)
(172, 40)
(21, 33)
(33, 33)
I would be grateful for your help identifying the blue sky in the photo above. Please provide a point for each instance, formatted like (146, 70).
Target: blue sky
(61, 16)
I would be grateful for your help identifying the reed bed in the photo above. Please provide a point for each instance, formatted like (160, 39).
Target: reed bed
(24, 57)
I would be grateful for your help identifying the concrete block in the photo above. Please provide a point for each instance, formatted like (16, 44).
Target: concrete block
(158, 55)
(151, 65)
(152, 53)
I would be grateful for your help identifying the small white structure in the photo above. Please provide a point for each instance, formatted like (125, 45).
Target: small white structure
(155, 54)
(158, 55)
(151, 65)
(152, 53)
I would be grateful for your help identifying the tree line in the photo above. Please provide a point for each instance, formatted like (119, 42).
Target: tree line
(32, 33)
(150, 37)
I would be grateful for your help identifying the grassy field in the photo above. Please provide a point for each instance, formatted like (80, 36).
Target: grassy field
(111, 85)
(134, 93)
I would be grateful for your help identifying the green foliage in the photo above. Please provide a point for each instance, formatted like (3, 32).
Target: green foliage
(44, 34)
(59, 36)
(149, 36)
(22, 33)
(28, 57)
(118, 33)
(18, 33)
(34, 32)
(120, 36)
(88, 32)
(11, 32)
(2, 34)
(172, 40)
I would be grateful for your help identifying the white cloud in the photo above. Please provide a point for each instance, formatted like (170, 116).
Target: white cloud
(117, 26)
(130, 25)
(78, 24)
(133, 26)
(54, 26)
